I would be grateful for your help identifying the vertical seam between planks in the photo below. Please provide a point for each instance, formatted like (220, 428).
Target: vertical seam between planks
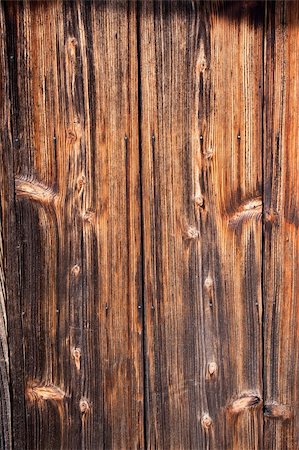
(144, 343)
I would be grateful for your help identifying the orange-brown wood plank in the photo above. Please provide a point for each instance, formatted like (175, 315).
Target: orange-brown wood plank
(202, 85)
(71, 146)
(281, 243)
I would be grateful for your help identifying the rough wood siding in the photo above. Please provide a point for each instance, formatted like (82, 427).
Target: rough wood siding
(5, 407)
(202, 84)
(73, 149)
(149, 225)
(281, 203)
(10, 388)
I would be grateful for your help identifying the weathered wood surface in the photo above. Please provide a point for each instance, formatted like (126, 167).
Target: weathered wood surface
(72, 144)
(281, 239)
(201, 84)
(149, 225)
(8, 262)
(5, 407)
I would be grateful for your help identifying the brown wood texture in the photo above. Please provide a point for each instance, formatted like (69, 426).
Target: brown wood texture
(7, 258)
(201, 84)
(5, 407)
(72, 155)
(281, 239)
(149, 225)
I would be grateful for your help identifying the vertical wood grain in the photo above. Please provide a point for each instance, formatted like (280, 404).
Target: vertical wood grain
(11, 354)
(281, 247)
(217, 84)
(74, 156)
(202, 85)
(5, 404)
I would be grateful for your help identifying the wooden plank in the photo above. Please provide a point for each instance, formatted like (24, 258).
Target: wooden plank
(74, 107)
(281, 243)
(5, 406)
(202, 83)
(11, 353)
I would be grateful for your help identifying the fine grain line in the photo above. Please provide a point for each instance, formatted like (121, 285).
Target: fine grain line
(5, 405)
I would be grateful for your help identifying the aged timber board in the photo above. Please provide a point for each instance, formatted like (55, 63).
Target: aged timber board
(149, 225)
(202, 85)
(281, 222)
(72, 224)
